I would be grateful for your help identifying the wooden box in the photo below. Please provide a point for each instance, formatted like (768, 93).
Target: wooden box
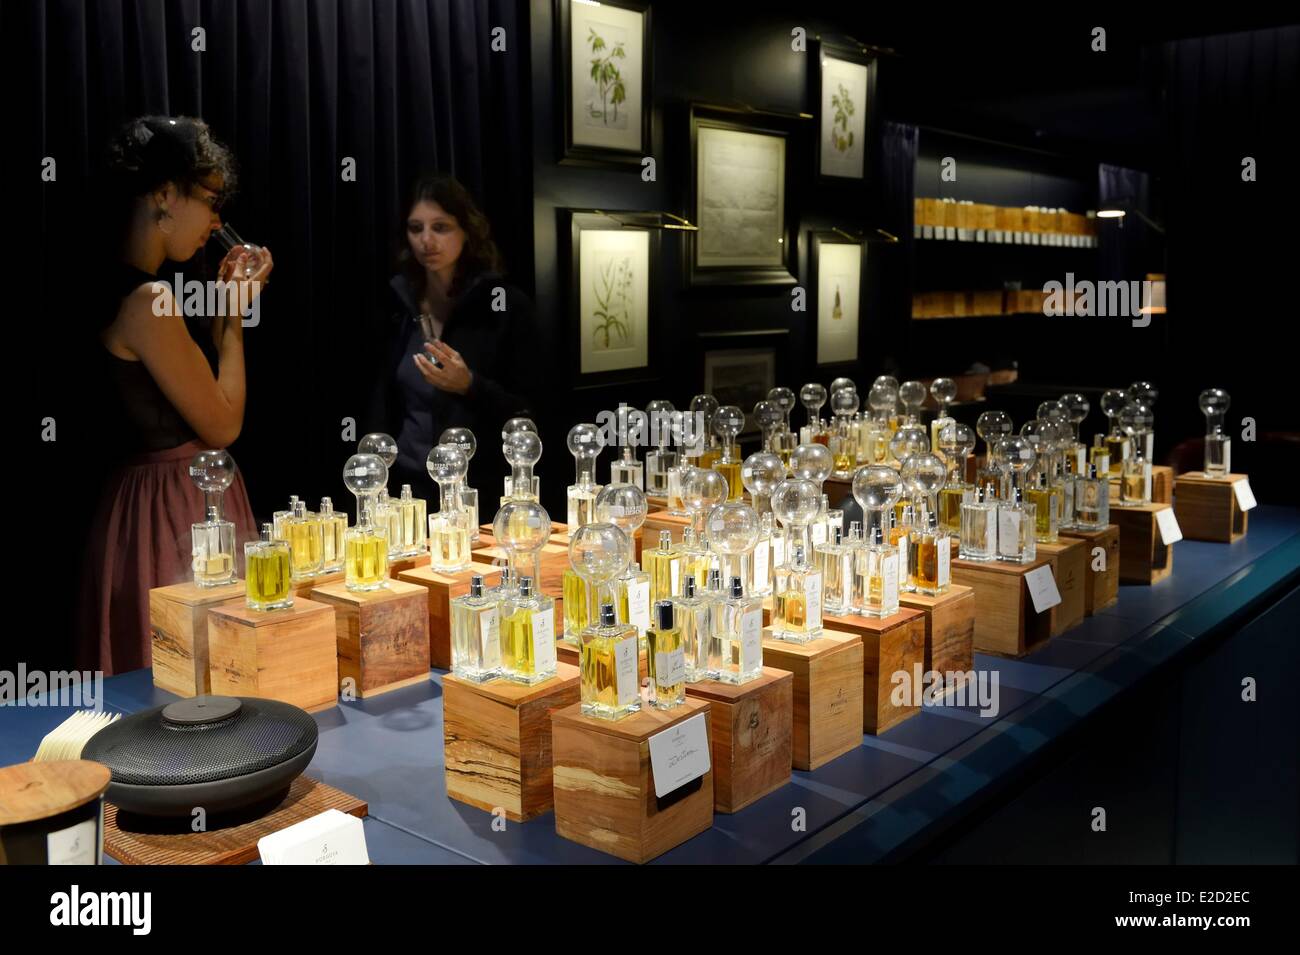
(1162, 484)
(178, 627)
(1100, 587)
(604, 791)
(889, 645)
(399, 565)
(1005, 620)
(383, 636)
(1207, 508)
(1143, 556)
(441, 589)
(828, 675)
(1069, 557)
(949, 632)
(752, 730)
(657, 521)
(289, 654)
(302, 588)
(497, 741)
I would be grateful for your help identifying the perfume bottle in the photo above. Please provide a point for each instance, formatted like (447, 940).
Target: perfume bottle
(528, 645)
(666, 658)
(876, 488)
(692, 613)
(266, 563)
(813, 463)
(624, 506)
(579, 606)
(449, 529)
(412, 512)
(1117, 443)
(979, 527)
(908, 441)
(608, 682)
(463, 438)
(1044, 498)
(659, 420)
(475, 634)
(934, 557)
(212, 541)
(727, 423)
(1135, 482)
(813, 398)
(768, 417)
(797, 588)
(955, 442)
(334, 524)
(1099, 454)
(664, 565)
(732, 534)
(306, 542)
(835, 559)
(900, 538)
(702, 411)
(944, 391)
(693, 440)
(761, 472)
(1144, 393)
(761, 563)
(740, 637)
(585, 444)
(627, 469)
(784, 441)
(702, 491)
(1077, 407)
(383, 513)
(697, 559)
(1015, 456)
(365, 546)
(1091, 501)
(279, 517)
(522, 448)
(598, 554)
(923, 475)
(911, 395)
(843, 440)
(716, 599)
(1218, 446)
(881, 401)
(1016, 518)
(991, 426)
(877, 574)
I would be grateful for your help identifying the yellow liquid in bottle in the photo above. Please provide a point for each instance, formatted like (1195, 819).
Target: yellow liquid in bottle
(927, 564)
(1043, 501)
(365, 561)
(1116, 446)
(267, 580)
(730, 470)
(664, 641)
(332, 530)
(213, 567)
(517, 643)
(844, 462)
(448, 544)
(577, 610)
(792, 610)
(659, 566)
(598, 681)
(1133, 487)
(950, 499)
(710, 456)
(306, 546)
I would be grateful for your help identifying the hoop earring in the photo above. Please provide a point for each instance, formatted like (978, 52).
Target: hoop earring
(166, 224)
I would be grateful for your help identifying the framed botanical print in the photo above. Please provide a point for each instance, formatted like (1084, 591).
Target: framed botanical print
(741, 377)
(611, 267)
(837, 268)
(845, 78)
(603, 52)
(739, 191)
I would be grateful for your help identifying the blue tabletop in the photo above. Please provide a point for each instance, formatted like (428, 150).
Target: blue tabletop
(388, 750)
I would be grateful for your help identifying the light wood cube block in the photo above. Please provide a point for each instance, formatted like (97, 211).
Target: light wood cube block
(752, 736)
(441, 589)
(383, 635)
(178, 627)
(1005, 620)
(1069, 557)
(1207, 508)
(893, 644)
(1144, 558)
(289, 655)
(828, 677)
(949, 631)
(1100, 587)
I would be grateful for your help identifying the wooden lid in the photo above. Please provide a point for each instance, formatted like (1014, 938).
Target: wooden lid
(192, 595)
(829, 642)
(720, 692)
(915, 600)
(32, 791)
(392, 590)
(857, 623)
(638, 726)
(247, 616)
(516, 694)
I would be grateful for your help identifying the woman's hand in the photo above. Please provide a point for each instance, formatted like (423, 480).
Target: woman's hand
(232, 270)
(454, 375)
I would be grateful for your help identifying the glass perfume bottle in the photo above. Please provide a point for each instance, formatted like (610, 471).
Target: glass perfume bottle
(413, 516)
(1016, 518)
(835, 559)
(762, 562)
(761, 472)
(923, 475)
(944, 392)
(1218, 446)
(1015, 456)
(934, 557)
(1117, 443)
(702, 411)
(702, 491)
(659, 420)
(266, 580)
(212, 540)
(716, 598)
(585, 443)
(464, 439)
(1077, 407)
(732, 533)
(911, 395)
(899, 537)
(1091, 501)
(522, 451)
(979, 527)
(365, 546)
(740, 648)
(785, 441)
(991, 426)
(334, 524)
(877, 577)
(1099, 454)
(1135, 482)
(598, 554)
(728, 420)
(306, 542)
(1144, 393)
(956, 442)
(449, 529)
(279, 517)
(843, 440)
(813, 397)
(768, 417)
(528, 645)
(627, 469)
(813, 463)
(1044, 498)
(697, 559)
(692, 438)
(383, 513)
(666, 658)
(876, 488)
(881, 401)
(608, 683)
(664, 565)
(693, 616)
(624, 506)
(797, 588)
(475, 634)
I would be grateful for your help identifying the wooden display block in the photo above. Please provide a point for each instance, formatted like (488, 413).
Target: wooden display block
(442, 587)
(752, 730)
(497, 741)
(1100, 587)
(178, 627)
(889, 645)
(656, 503)
(495, 554)
(567, 653)
(828, 675)
(399, 565)
(604, 792)
(551, 568)
(1143, 556)
(1005, 620)
(1207, 508)
(1069, 557)
(1162, 484)
(303, 587)
(657, 521)
(289, 654)
(383, 636)
(949, 632)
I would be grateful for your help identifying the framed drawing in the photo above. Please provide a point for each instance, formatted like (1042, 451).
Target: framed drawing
(845, 78)
(603, 52)
(837, 267)
(611, 267)
(739, 191)
(741, 377)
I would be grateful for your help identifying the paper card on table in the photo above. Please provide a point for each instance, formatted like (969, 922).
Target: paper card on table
(328, 838)
(1167, 522)
(1042, 588)
(1245, 496)
(679, 754)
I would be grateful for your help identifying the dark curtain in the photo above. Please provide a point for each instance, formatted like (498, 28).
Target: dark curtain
(1122, 253)
(898, 146)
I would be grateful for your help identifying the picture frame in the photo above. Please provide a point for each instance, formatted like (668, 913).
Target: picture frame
(740, 187)
(741, 377)
(844, 80)
(612, 263)
(605, 119)
(837, 264)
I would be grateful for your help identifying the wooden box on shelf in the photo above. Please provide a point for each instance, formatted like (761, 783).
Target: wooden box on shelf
(1144, 558)
(1100, 587)
(442, 587)
(1069, 557)
(497, 741)
(604, 788)
(657, 521)
(289, 655)
(1162, 484)
(178, 628)
(828, 676)
(1208, 508)
(303, 586)
(949, 631)
(889, 645)
(399, 565)
(1005, 620)
(383, 635)
(752, 730)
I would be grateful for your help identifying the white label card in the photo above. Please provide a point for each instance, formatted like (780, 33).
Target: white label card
(1167, 523)
(76, 845)
(490, 637)
(329, 838)
(544, 640)
(1042, 588)
(625, 675)
(945, 557)
(1245, 496)
(751, 638)
(638, 604)
(679, 754)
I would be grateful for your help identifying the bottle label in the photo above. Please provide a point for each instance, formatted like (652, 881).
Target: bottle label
(944, 554)
(675, 576)
(761, 554)
(813, 591)
(544, 640)
(1009, 531)
(991, 532)
(778, 551)
(846, 576)
(625, 675)
(819, 533)
(638, 604)
(751, 639)
(489, 626)
(670, 668)
(903, 551)
(889, 571)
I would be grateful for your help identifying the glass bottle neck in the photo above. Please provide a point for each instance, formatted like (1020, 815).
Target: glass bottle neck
(448, 496)
(1214, 423)
(584, 474)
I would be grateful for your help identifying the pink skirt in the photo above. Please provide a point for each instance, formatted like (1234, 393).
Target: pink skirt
(140, 539)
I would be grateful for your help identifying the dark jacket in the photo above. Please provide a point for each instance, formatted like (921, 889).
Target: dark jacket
(492, 344)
